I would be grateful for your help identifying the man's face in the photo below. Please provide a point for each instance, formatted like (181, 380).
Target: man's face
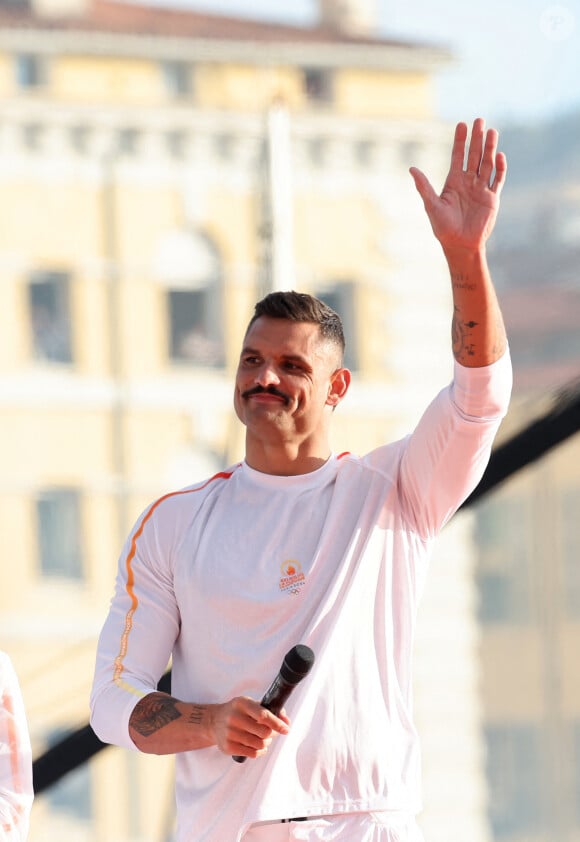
(285, 382)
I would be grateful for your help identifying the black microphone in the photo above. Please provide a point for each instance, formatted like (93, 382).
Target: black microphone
(296, 665)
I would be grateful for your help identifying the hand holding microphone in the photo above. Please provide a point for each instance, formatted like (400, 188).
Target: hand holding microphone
(296, 665)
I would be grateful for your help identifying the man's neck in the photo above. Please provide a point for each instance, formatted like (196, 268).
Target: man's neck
(284, 461)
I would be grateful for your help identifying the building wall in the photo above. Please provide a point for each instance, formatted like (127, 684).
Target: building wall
(529, 604)
(140, 82)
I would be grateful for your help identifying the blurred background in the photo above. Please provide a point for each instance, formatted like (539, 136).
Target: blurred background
(162, 167)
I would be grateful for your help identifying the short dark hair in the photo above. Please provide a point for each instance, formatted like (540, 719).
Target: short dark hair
(301, 307)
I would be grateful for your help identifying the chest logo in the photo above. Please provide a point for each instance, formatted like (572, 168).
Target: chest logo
(292, 578)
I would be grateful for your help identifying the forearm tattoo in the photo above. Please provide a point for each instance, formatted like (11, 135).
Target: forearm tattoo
(460, 336)
(152, 713)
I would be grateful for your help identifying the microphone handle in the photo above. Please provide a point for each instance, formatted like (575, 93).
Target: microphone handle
(273, 700)
(276, 695)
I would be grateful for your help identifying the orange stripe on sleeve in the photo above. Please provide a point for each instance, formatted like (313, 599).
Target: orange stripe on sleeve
(118, 671)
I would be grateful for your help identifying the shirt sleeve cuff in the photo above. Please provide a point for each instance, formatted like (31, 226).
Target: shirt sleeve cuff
(483, 393)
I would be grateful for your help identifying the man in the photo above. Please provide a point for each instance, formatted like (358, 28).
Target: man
(15, 758)
(298, 545)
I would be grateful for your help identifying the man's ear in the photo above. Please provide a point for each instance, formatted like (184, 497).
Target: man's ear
(339, 383)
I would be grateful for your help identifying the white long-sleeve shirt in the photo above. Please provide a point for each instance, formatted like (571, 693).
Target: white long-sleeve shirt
(15, 758)
(227, 575)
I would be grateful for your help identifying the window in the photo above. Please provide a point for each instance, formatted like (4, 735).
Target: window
(505, 567)
(176, 144)
(59, 533)
(318, 85)
(365, 152)
(409, 153)
(224, 145)
(30, 70)
(514, 765)
(48, 300)
(178, 78)
(80, 137)
(193, 336)
(128, 142)
(317, 151)
(32, 136)
(341, 297)
(188, 265)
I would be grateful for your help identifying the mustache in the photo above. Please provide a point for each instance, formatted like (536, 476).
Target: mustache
(270, 390)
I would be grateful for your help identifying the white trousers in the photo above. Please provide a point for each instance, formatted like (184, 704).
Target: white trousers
(354, 827)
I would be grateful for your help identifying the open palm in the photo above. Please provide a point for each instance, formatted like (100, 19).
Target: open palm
(464, 214)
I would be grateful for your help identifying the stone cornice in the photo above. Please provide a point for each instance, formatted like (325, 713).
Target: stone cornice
(391, 57)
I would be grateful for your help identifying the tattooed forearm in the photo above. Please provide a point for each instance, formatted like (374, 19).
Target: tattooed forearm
(461, 333)
(152, 713)
(477, 331)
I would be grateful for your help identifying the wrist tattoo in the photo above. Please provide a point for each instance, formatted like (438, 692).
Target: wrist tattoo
(152, 713)
(461, 281)
(196, 715)
(463, 285)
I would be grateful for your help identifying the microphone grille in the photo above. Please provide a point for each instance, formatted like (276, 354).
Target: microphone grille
(297, 663)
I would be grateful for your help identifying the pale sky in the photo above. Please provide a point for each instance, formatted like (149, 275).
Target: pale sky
(517, 60)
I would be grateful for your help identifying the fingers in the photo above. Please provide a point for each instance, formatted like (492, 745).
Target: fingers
(458, 148)
(243, 727)
(284, 716)
(500, 173)
(475, 146)
(248, 741)
(424, 188)
(488, 159)
(483, 157)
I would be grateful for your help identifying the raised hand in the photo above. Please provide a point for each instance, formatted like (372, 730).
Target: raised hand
(463, 216)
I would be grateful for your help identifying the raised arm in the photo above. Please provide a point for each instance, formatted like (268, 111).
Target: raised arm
(462, 219)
